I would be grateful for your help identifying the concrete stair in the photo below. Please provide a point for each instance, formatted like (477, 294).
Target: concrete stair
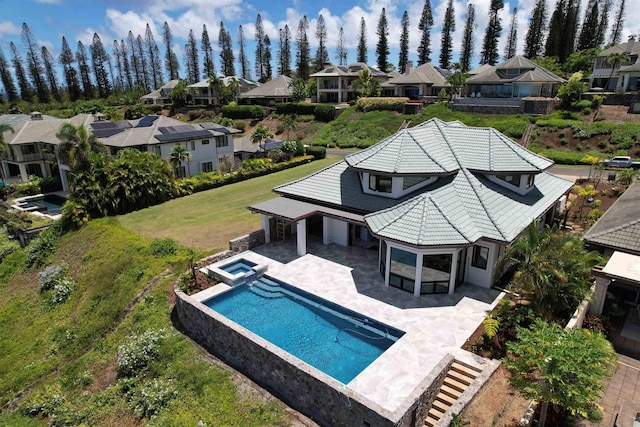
(458, 379)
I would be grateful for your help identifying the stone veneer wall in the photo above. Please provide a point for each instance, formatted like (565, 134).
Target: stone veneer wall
(487, 109)
(325, 400)
(236, 246)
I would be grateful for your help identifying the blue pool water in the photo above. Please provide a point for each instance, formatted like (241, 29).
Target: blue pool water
(239, 266)
(331, 338)
(49, 203)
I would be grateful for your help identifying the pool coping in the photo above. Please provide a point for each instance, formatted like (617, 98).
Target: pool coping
(15, 204)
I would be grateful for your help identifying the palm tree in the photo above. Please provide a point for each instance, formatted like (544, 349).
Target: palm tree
(616, 59)
(367, 85)
(5, 149)
(179, 95)
(261, 134)
(76, 144)
(290, 122)
(177, 156)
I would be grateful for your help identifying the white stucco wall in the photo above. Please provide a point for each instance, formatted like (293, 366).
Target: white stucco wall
(478, 276)
(335, 231)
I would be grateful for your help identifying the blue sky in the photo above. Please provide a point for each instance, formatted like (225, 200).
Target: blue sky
(49, 20)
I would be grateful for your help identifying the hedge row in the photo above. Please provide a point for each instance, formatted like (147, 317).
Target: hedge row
(321, 112)
(390, 104)
(209, 180)
(243, 111)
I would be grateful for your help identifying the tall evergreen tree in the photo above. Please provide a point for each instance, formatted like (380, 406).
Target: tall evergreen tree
(341, 50)
(562, 30)
(26, 92)
(170, 58)
(512, 38)
(99, 61)
(126, 67)
(119, 85)
(534, 39)
(489, 54)
(284, 53)
(34, 64)
(259, 64)
(426, 22)
(589, 32)
(467, 39)
(268, 70)
(448, 27)
(85, 71)
(144, 64)
(245, 67)
(67, 59)
(362, 42)
(153, 59)
(7, 79)
(302, 55)
(49, 71)
(136, 62)
(616, 31)
(604, 21)
(192, 59)
(382, 47)
(208, 66)
(403, 56)
(226, 52)
(322, 55)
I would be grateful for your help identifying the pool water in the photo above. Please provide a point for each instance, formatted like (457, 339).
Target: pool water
(331, 338)
(50, 202)
(240, 266)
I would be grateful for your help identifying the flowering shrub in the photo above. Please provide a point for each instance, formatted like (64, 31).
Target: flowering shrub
(138, 352)
(51, 276)
(61, 292)
(148, 399)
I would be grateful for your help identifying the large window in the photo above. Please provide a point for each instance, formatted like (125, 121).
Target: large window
(28, 149)
(205, 141)
(380, 183)
(436, 272)
(157, 150)
(207, 166)
(221, 141)
(510, 179)
(180, 172)
(402, 272)
(34, 169)
(480, 257)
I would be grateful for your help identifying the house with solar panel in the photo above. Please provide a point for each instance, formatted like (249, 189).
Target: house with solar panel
(440, 202)
(334, 83)
(34, 140)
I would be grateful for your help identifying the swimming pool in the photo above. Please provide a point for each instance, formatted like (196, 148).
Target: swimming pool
(48, 203)
(337, 341)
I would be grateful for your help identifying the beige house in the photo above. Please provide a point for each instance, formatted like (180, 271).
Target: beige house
(159, 96)
(335, 82)
(422, 81)
(203, 94)
(617, 77)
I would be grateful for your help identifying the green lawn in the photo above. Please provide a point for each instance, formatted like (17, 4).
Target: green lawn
(208, 220)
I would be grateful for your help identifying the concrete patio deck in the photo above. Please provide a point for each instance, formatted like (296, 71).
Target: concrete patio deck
(435, 325)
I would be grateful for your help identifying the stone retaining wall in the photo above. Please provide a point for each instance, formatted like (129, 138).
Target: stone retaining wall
(236, 246)
(322, 398)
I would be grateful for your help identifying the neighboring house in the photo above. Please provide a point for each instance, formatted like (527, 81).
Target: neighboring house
(335, 82)
(159, 96)
(202, 93)
(245, 149)
(269, 93)
(618, 77)
(425, 80)
(440, 201)
(34, 141)
(517, 78)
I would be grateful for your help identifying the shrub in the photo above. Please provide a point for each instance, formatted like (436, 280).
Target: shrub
(61, 292)
(564, 141)
(138, 352)
(51, 276)
(299, 108)
(317, 152)
(324, 113)
(44, 245)
(163, 247)
(30, 187)
(243, 111)
(151, 397)
(603, 144)
(278, 156)
(390, 104)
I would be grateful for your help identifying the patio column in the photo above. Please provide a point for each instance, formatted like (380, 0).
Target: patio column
(339, 90)
(452, 272)
(265, 226)
(601, 287)
(418, 283)
(301, 230)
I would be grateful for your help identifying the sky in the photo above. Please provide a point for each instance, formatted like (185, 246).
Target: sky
(78, 20)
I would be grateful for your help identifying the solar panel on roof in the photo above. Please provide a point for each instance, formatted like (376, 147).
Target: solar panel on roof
(106, 133)
(147, 121)
(103, 125)
(214, 126)
(175, 129)
(176, 136)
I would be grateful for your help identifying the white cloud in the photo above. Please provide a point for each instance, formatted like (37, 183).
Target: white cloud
(8, 28)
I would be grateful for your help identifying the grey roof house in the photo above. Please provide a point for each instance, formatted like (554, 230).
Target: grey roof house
(335, 82)
(203, 94)
(618, 77)
(271, 92)
(159, 96)
(424, 80)
(440, 201)
(517, 77)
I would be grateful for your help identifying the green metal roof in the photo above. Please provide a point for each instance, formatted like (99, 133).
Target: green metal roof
(436, 147)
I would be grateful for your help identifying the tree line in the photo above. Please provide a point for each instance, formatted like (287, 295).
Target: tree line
(136, 61)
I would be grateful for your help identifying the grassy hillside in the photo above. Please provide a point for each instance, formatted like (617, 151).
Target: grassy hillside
(60, 361)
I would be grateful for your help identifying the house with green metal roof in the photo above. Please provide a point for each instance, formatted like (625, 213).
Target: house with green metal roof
(440, 202)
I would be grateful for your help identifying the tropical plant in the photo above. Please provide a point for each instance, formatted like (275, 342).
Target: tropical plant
(616, 59)
(261, 134)
(76, 146)
(5, 149)
(626, 176)
(456, 79)
(563, 367)
(571, 90)
(178, 155)
(367, 85)
(290, 121)
(179, 95)
(584, 193)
